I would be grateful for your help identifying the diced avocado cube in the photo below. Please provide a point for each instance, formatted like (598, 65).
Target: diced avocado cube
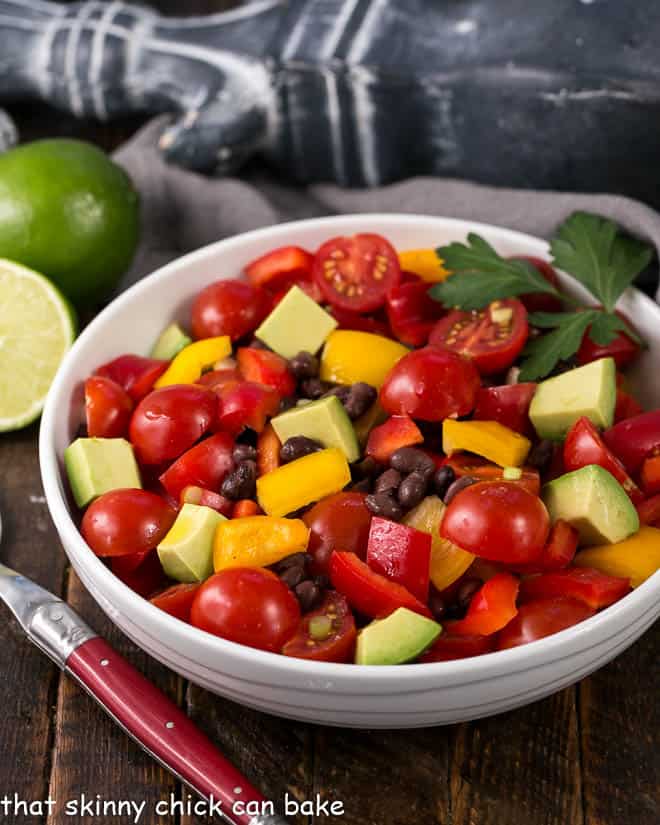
(97, 465)
(170, 343)
(297, 323)
(401, 637)
(559, 402)
(186, 552)
(594, 502)
(325, 421)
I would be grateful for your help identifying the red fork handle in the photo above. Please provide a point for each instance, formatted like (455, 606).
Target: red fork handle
(164, 731)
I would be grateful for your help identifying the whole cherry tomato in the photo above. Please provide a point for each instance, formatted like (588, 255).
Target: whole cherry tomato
(497, 520)
(204, 465)
(247, 605)
(137, 375)
(126, 521)
(229, 307)
(623, 349)
(542, 618)
(142, 572)
(327, 634)
(108, 408)
(430, 384)
(412, 313)
(170, 420)
(177, 600)
(541, 301)
(357, 273)
(338, 522)
(493, 337)
(635, 439)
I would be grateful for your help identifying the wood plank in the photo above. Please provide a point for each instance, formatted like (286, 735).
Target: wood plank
(620, 720)
(29, 683)
(519, 768)
(91, 754)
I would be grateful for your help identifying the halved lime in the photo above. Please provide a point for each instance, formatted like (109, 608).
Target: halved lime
(37, 328)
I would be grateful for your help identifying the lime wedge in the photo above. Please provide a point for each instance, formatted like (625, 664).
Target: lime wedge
(37, 328)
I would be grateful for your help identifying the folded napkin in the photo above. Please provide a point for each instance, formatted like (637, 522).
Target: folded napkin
(183, 211)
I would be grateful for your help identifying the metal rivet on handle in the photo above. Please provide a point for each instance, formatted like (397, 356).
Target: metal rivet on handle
(169, 725)
(105, 662)
(238, 790)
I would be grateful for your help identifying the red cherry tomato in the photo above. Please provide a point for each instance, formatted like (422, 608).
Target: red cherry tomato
(229, 307)
(137, 375)
(592, 587)
(356, 273)
(634, 439)
(650, 475)
(108, 408)
(497, 520)
(246, 404)
(215, 379)
(268, 368)
(338, 522)
(279, 264)
(204, 465)
(362, 323)
(626, 406)
(177, 600)
(430, 384)
(558, 552)
(492, 608)
(412, 313)
(448, 647)
(126, 521)
(541, 301)
(584, 446)
(170, 420)
(279, 287)
(508, 404)
(142, 572)
(247, 605)
(339, 643)
(623, 349)
(649, 511)
(207, 498)
(542, 618)
(466, 464)
(492, 344)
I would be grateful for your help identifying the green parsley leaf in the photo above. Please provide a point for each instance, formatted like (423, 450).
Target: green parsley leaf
(481, 276)
(544, 353)
(599, 255)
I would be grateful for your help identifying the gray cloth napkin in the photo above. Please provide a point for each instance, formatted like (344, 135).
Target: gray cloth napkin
(183, 211)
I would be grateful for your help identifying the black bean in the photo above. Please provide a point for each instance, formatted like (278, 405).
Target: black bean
(308, 595)
(360, 397)
(382, 504)
(342, 391)
(361, 486)
(437, 604)
(298, 446)
(292, 576)
(367, 468)
(322, 581)
(288, 403)
(388, 482)
(412, 490)
(241, 482)
(466, 591)
(442, 478)
(540, 455)
(255, 343)
(409, 460)
(244, 452)
(313, 388)
(304, 365)
(456, 486)
(294, 560)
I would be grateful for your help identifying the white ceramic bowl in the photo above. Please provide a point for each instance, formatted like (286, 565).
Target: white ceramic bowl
(348, 695)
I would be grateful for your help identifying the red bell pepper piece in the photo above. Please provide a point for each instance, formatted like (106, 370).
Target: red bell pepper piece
(542, 618)
(508, 404)
(649, 511)
(626, 406)
(650, 475)
(204, 465)
(397, 431)
(412, 313)
(492, 608)
(137, 375)
(559, 550)
(246, 404)
(369, 592)
(400, 553)
(362, 323)
(207, 498)
(634, 439)
(582, 583)
(449, 647)
(176, 600)
(265, 367)
(279, 263)
(584, 446)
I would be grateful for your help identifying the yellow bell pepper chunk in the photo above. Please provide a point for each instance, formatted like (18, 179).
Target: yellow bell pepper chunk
(489, 439)
(448, 562)
(302, 481)
(636, 558)
(350, 356)
(425, 263)
(187, 366)
(257, 541)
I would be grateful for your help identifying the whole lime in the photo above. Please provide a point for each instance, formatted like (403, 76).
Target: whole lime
(68, 211)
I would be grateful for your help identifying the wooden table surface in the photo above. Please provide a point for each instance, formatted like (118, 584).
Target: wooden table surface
(585, 756)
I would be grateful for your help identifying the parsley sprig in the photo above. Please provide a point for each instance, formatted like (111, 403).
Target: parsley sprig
(590, 248)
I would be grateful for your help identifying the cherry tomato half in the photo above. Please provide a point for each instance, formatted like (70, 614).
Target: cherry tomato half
(108, 408)
(466, 464)
(246, 404)
(449, 647)
(493, 337)
(430, 384)
(126, 521)
(542, 618)
(247, 605)
(142, 572)
(229, 307)
(338, 522)
(497, 520)
(137, 375)
(177, 600)
(508, 404)
(327, 634)
(356, 273)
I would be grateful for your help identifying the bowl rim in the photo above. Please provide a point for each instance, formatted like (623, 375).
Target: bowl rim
(180, 634)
